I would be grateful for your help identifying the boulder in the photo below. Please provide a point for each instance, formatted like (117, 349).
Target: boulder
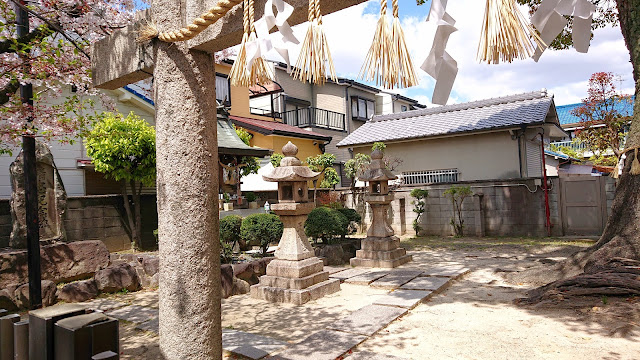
(240, 287)
(334, 254)
(151, 265)
(153, 281)
(48, 290)
(226, 280)
(62, 262)
(7, 301)
(251, 271)
(79, 291)
(118, 277)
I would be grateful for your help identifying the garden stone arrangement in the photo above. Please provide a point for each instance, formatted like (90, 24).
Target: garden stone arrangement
(381, 248)
(295, 275)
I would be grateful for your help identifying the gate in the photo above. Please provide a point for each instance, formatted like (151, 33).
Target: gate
(583, 205)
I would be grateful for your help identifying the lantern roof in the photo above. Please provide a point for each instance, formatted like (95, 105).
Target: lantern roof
(377, 171)
(291, 168)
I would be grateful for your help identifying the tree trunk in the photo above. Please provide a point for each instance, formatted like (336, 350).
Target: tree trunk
(135, 241)
(137, 218)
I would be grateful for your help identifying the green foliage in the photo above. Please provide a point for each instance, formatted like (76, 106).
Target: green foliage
(123, 148)
(418, 207)
(261, 229)
(321, 162)
(244, 135)
(275, 159)
(457, 194)
(379, 146)
(326, 224)
(353, 218)
(330, 179)
(230, 229)
(251, 197)
(226, 198)
(356, 166)
(251, 165)
(226, 252)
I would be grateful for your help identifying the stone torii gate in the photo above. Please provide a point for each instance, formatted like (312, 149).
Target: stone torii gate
(187, 158)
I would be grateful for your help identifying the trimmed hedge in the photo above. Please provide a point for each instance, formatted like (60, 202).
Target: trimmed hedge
(326, 224)
(261, 230)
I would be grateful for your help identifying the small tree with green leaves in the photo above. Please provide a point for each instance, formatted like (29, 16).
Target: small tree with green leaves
(251, 163)
(323, 163)
(418, 207)
(124, 149)
(326, 224)
(261, 229)
(275, 159)
(457, 194)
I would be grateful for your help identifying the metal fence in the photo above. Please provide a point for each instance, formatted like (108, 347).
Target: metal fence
(430, 176)
(314, 117)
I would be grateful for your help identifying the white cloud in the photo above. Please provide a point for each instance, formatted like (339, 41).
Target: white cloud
(564, 73)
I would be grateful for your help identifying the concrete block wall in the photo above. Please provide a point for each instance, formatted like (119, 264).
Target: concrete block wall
(497, 208)
(610, 190)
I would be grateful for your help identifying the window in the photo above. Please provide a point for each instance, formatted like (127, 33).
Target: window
(404, 108)
(223, 89)
(361, 108)
(430, 176)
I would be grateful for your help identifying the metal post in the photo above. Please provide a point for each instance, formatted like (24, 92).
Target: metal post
(30, 179)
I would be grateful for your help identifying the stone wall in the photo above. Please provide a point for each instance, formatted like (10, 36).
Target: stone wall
(497, 208)
(97, 218)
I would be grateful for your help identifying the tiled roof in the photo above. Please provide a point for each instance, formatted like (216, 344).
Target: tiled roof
(267, 127)
(503, 112)
(566, 117)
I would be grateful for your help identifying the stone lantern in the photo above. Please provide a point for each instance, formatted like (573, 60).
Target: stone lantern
(381, 248)
(295, 275)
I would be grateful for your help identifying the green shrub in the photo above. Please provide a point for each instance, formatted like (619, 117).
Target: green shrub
(326, 224)
(261, 230)
(251, 197)
(354, 219)
(226, 252)
(418, 207)
(230, 229)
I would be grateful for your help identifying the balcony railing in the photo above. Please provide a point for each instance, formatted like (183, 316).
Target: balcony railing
(430, 176)
(314, 117)
(574, 145)
(265, 112)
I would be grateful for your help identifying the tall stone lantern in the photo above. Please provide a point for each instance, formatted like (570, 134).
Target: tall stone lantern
(295, 275)
(381, 248)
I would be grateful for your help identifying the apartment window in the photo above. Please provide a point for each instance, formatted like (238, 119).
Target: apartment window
(362, 108)
(223, 89)
(430, 176)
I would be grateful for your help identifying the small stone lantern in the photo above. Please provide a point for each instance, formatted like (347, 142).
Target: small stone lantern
(295, 275)
(381, 248)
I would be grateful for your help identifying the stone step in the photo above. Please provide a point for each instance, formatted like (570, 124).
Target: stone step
(380, 244)
(294, 269)
(387, 264)
(323, 345)
(349, 273)
(295, 296)
(366, 278)
(368, 320)
(288, 283)
(435, 284)
(396, 278)
(381, 255)
(407, 299)
(249, 345)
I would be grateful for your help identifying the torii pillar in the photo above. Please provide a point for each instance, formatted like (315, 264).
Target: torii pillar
(187, 159)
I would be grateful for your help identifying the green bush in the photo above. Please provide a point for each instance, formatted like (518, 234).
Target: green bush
(251, 197)
(354, 219)
(230, 229)
(326, 224)
(226, 252)
(261, 230)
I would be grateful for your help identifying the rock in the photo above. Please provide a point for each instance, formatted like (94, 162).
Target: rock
(151, 265)
(7, 301)
(251, 271)
(52, 199)
(334, 254)
(48, 290)
(240, 287)
(62, 262)
(349, 251)
(118, 277)
(226, 279)
(79, 291)
(153, 282)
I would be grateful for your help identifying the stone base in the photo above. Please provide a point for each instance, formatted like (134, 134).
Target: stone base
(294, 282)
(295, 296)
(381, 253)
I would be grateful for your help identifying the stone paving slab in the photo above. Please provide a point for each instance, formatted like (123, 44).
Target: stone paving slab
(250, 345)
(133, 313)
(446, 271)
(349, 273)
(432, 283)
(396, 278)
(366, 278)
(103, 304)
(151, 325)
(367, 355)
(323, 345)
(333, 269)
(407, 299)
(368, 320)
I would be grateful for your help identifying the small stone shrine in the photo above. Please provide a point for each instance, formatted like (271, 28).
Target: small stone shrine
(381, 248)
(295, 275)
(52, 199)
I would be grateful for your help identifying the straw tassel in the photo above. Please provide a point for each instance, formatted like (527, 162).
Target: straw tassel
(315, 59)
(506, 34)
(260, 73)
(239, 75)
(635, 165)
(378, 64)
(405, 75)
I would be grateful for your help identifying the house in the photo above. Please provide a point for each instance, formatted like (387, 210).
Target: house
(493, 139)
(334, 109)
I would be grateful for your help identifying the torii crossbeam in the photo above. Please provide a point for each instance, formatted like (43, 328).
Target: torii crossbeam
(187, 165)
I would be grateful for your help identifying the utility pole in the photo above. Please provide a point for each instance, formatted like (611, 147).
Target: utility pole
(30, 176)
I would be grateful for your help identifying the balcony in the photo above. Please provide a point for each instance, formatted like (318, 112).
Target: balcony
(315, 118)
(573, 145)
